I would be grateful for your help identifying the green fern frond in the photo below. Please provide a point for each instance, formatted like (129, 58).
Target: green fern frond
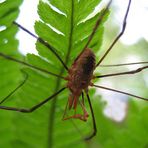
(64, 30)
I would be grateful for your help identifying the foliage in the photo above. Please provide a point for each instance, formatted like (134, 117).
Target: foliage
(131, 132)
(45, 124)
(44, 127)
(9, 72)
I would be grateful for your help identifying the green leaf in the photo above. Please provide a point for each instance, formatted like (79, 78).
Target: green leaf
(10, 75)
(67, 41)
(44, 127)
(9, 11)
(129, 133)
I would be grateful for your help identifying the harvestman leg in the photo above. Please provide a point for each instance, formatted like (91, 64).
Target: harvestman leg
(122, 64)
(29, 65)
(121, 92)
(34, 67)
(118, 37)
(19, 86)
(92, 113)
(83, 101)
(95, 28)
(52, 49)
(24, 110)
(77, 116)
(122, 73)
(93, 120)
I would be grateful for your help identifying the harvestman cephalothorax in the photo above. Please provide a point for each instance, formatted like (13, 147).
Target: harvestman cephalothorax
(80, 74)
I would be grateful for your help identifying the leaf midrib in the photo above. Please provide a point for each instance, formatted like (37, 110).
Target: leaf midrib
(58, 82)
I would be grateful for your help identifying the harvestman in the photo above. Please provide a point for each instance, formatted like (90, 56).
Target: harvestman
(79, 76)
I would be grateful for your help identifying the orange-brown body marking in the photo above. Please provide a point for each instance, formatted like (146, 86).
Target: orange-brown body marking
(79, 76)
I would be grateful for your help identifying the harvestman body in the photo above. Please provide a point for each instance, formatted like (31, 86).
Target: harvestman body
(79, 76)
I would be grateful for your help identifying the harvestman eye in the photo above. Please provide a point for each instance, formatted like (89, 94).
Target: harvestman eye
(79, 75)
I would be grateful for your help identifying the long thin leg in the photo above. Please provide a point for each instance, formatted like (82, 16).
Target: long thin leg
(29, 65)
(24, 110)
(52, 49)
(121, 92)
(19, 86)
(65, 110)
(72, 121)
(83, 99)
(122, 73)
(95, 28)
(93, 120)
(82, 117)
(117, 38)
(123, 64)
